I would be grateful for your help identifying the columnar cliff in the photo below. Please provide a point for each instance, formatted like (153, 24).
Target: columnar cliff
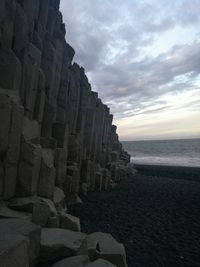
(55, 131)
(56, 136)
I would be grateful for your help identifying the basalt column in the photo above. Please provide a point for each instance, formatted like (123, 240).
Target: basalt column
(56, 134)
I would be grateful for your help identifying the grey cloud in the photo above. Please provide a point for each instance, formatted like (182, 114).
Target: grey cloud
(108, 37)
(188, 12)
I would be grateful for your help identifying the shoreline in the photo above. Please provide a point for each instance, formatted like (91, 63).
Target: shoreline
(175, 172)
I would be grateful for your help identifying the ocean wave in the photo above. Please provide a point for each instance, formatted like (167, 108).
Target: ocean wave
(167, 161)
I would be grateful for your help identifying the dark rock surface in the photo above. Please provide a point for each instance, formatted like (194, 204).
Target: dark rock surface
(57, 132)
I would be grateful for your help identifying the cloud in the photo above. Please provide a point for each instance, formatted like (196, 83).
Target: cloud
(150, 79)
(113, 41)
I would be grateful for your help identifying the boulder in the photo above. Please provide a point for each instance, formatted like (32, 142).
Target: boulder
(23, 204)
(76, 261)
(69, 222)
(13, 250)
(100, 263)
(43, 210)
(6, 212)
(41, 213)
(110, 249)
(89, 247)
(59, 244)
(20, 243)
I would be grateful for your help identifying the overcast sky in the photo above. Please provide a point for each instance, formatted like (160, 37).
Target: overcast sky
(143, 58)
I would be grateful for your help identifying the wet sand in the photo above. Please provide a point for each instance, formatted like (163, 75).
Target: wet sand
(156, 214)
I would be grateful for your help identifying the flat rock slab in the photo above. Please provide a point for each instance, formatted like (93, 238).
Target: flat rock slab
(100, 263)
(59, 243)
(110, 249)
(76, 261)
(69, 222)
(23, 204)
(8, 213)
(41, 208)
(13, 250)
(16, 231)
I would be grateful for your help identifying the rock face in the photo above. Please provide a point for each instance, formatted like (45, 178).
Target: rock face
(56, 131)
(56, 136)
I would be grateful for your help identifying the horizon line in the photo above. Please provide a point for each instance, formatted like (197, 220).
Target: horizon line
(138, 140)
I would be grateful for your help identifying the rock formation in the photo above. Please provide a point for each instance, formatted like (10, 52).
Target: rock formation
(55, 131)
(56, 136)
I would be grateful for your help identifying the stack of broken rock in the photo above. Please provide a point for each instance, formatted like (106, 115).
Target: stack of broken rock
(23, 244)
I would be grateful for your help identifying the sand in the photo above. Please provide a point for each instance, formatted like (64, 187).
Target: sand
(156, 214)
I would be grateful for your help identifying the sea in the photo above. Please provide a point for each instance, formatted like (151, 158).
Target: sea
(179, 152)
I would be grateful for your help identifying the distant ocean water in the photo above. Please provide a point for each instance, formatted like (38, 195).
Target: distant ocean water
(182, 152)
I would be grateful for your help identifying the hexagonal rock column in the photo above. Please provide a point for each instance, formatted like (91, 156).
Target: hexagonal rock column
(30, 159)
(12, 116)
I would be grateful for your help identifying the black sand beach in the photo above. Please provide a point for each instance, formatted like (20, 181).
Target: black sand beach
(156, 214)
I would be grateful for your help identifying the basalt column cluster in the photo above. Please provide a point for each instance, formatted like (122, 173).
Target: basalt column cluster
(55, 134)
(56, 141)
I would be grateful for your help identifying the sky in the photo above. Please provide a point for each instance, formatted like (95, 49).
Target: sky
(143, 59)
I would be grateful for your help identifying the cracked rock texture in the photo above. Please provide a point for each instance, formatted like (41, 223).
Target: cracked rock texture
(56, 136)
(55, 131)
